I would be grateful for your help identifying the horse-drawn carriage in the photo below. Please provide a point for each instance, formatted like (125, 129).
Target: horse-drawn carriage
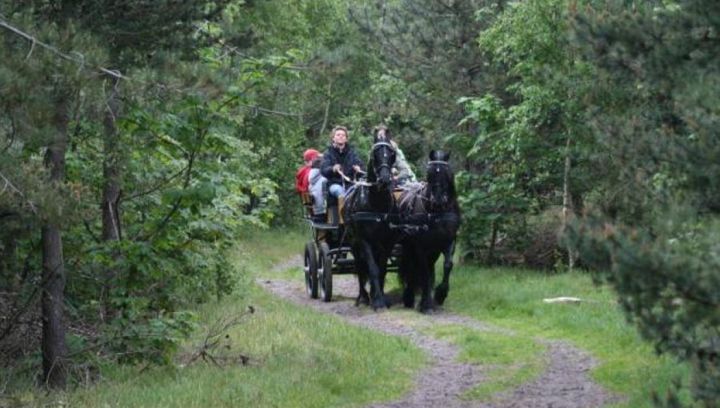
(328, 252)
(378, 229)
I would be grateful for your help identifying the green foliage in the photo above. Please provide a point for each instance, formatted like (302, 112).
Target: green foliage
(219, 99)
(521, 133)
(512, 298)
(137, 338)
(427, 60)
(628, 93)
(654, 234)
(189, 178)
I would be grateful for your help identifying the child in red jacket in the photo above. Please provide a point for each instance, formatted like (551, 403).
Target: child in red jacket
(301, 177)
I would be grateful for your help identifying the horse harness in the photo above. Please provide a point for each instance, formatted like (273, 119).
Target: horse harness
(411, 223)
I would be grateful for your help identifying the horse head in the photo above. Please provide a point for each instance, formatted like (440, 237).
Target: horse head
(440, 180)
(382, 158)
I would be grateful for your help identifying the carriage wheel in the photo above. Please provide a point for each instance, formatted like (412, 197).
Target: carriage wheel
(311, 269)
(325, 272)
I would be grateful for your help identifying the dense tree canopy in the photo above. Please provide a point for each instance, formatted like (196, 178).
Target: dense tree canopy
(139, 139)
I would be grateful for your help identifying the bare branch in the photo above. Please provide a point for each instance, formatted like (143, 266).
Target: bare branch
(216, 334)
(18, 192)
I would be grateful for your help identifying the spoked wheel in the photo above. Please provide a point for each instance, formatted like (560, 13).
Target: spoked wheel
(311, 269)
(324, 272)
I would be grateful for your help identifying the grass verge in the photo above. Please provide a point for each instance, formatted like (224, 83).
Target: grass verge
(513, 298)
(297, 357)
(509, 360)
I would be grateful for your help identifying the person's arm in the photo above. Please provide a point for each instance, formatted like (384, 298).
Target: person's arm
(326, 168)
(298, 180)
(356, 160)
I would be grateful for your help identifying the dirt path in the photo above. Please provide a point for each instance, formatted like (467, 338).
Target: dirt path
(564, 383)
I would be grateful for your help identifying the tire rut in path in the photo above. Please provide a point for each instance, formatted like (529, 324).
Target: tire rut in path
(564, 383)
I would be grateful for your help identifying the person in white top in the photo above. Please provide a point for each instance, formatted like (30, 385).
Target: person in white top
(317, 187)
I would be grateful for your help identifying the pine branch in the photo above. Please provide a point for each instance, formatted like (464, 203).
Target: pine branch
(80, 61)
(113, 73)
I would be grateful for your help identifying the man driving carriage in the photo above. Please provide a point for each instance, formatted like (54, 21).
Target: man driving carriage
(339, 158)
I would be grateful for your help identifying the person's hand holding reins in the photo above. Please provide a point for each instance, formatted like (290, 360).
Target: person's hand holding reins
(336, 168)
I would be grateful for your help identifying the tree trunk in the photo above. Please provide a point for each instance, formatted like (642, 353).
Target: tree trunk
(111, 228)
(493, 237)
(326, 113)
(54, 351)
(8, 264)
(567, 202)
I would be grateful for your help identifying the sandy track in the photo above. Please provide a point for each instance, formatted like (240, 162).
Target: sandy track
(564, 383)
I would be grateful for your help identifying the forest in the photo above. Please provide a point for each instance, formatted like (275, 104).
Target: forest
(140, 139)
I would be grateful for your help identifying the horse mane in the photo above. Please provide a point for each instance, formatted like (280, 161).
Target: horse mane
(412, 199)
(416, 197)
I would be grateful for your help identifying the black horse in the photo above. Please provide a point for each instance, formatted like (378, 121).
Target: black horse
(367, 212)
(431, 216)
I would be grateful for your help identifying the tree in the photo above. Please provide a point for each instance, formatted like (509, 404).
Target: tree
(653, 236)
(181, 219)
(531, 145)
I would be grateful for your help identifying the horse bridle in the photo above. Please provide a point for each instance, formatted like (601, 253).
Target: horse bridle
(437, 170)
(379, 145)
(440, 162)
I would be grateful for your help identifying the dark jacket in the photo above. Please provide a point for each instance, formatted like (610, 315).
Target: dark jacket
(347, 159)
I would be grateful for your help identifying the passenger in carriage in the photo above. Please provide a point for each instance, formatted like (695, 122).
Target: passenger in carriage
(317, 185)
(339, 157)
(301, 176)
(402, 173)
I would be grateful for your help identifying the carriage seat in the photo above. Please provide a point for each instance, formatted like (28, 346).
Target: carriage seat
(334, 210)
(307, 201)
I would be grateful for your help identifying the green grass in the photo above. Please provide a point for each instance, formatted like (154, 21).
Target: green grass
(509, 360)
(260, 250)
(512, 298)
(298, 357)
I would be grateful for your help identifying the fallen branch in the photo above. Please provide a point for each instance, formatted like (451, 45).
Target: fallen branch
(562, 299)
(217, 339)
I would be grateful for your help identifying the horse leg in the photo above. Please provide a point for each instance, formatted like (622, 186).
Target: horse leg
(427, 280)
(382, 266)
(363, 296)
(441, 291)
(361, 270)
(377, 298)
(408, 274)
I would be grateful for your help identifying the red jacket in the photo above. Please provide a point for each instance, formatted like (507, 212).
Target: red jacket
(301, 179)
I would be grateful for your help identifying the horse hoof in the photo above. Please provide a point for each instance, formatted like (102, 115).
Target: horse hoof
(426, 306)
(440, 296)
(409, 299)
(379, 304)
(362, 300)
(427, 310)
